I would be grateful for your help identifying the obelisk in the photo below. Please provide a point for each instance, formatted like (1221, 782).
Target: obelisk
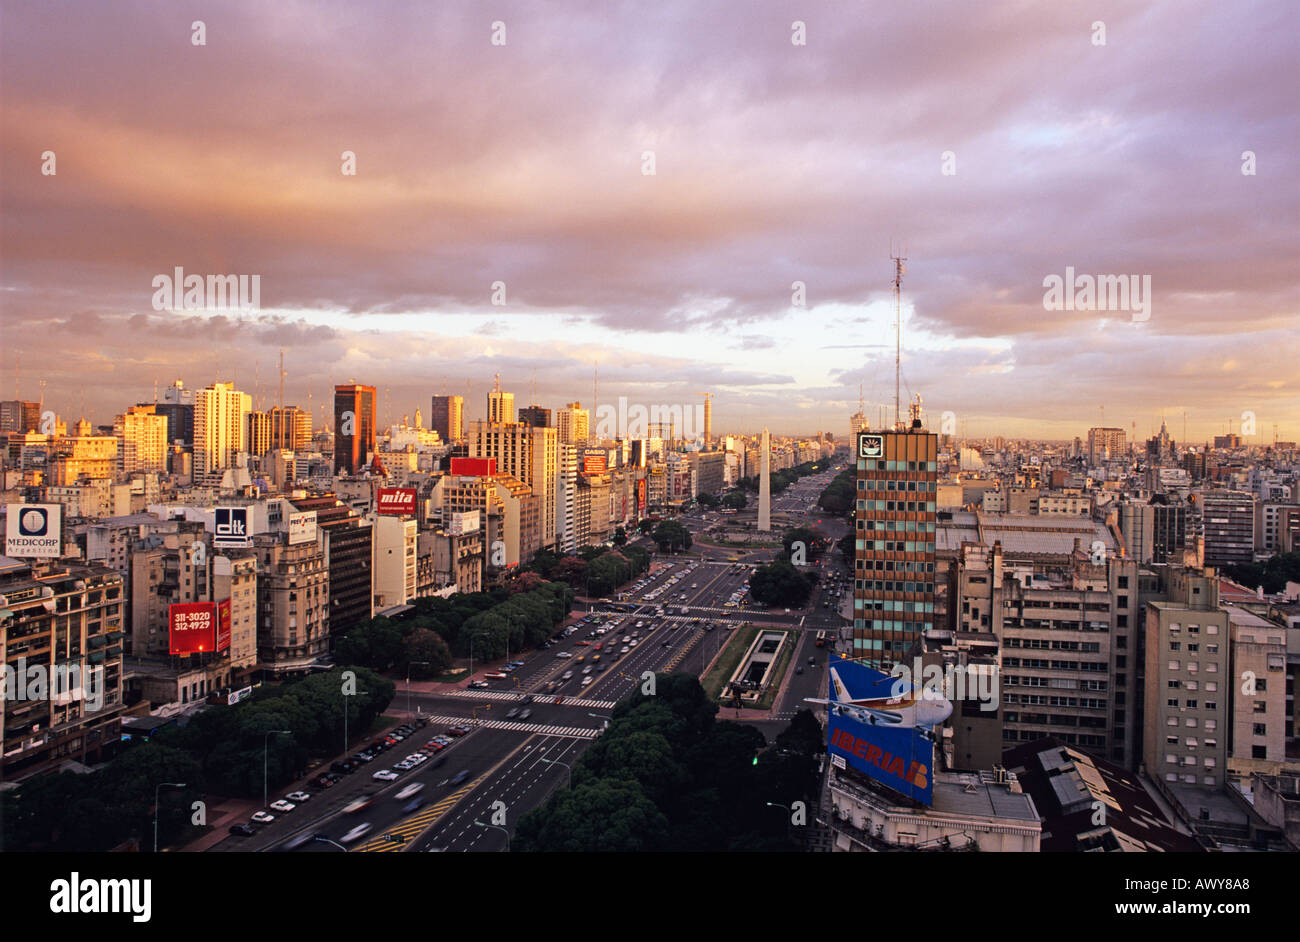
(765, 486)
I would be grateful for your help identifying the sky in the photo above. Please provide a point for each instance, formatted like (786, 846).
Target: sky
(994, 144)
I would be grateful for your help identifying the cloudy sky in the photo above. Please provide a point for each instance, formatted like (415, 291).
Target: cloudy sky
(525, 162)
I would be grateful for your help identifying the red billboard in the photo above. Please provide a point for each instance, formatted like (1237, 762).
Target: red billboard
(395, 501)
(640, 497)
(193, 627)
(223, 624)
(477, 467)
(593, 463)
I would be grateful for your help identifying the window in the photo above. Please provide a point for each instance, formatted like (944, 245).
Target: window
(1261, 729)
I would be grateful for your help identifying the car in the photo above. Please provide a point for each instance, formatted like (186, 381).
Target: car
(384, 775)
(496, 675)
(261, 817)
(342, 768)
(364, 757)
(513, 713)
(358, 832)
(477, 684)
(404, 766)
(666, 644)
(799, 669)
(413, 789)
(528, 699)
(435, 745)
(359, 804)
(586, 670)
(624, 649)
(298, 797)
(580, 658)
(243, 830)
(582, 644)
(524, 714)
(306, 837)
(417, 758)
(587, 680)
(633, 643)
(564, 654)
(595, 658)
(415, 804)
(459, 777)
(282, 805)
(812, 662)
(567, 675)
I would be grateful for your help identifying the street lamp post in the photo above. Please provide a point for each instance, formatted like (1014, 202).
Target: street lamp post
(569, 782)
(161, 785)
(499, 828)
(325, 840)
(408, 682)
(266, 741)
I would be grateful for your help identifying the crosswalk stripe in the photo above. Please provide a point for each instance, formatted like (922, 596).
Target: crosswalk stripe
(410, 827)
(502, 695)
(570, 732)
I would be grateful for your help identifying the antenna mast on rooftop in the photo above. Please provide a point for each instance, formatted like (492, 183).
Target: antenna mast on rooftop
(900, 269)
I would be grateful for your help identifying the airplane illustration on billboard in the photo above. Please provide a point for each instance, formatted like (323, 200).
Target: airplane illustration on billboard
(913, 708)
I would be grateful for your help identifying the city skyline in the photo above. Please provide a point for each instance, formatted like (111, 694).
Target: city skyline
(775, 163)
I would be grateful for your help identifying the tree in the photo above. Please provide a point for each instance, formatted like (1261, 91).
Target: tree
(671, 536)
(735, 500)
(706, 500)
(428, 648)
(620, 536)
(780, 585)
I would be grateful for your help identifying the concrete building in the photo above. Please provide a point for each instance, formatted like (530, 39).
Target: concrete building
(447, 417)
(142, 440)
(293, 603)
(1258, 695)
(354, 427)
(220, 427)
(234, 577)
(500, 407)
(894, 565)
(349, 550)
(1105, 444)
(69, 615)
(395, 545)
(1228, 526)
(528, 454)
(573, 423)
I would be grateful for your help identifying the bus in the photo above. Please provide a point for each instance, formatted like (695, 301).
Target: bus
(821, 639)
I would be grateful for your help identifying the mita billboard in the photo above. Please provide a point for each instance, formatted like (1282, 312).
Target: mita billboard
(883, 728)
(395, 501)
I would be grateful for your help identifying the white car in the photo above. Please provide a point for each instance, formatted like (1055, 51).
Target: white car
(358, 832)
(564, 654)
(416, 758)
(586, 680)
(299, 797)
(261, 817)
(413, 789)
(383, 775)
(625, 649)
(283, 805)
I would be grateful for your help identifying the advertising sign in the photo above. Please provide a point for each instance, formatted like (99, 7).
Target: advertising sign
(464, 522)
(223, 624)
(395, 501)
(594, 463)
(883, 727)
(231, 528)
(193, 627)
(871, 445)
(302, 527)
(235, 696)
(478, 467)
(34, 530)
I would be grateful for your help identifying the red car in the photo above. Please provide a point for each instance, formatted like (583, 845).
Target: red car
(598, 646)
(458, 731)
(582, 644)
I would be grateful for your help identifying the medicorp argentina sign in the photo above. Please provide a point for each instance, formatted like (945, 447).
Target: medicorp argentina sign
(34, 530)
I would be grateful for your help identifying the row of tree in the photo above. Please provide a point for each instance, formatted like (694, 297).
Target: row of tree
(780, 480)
(218, 751)
(1273, 574)
(839, 495)
(668, 776)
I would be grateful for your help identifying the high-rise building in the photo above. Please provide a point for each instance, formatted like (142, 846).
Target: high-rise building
(220, 426)
(1104, 444)
(500, 406)
(141, 440)
(1154, 531)
(573, 423)
(17, 415)
(259, 433)
(1188, 683)
(290, 428)
(447, 418)
(1228, 524)
(528, 454)
(894, 585)
(535, 416)
(354, 427)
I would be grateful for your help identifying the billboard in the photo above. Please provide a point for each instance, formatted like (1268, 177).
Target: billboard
(594, 463)
(395, 501)
(34, 530)
(464, 522)
(223, 624)
(193, 627)
(876, 724)
(302, 527)
(871, 445)
(478, 467)
(231, 529)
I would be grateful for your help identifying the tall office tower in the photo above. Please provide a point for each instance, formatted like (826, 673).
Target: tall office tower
(535, 416)
(893, 603)
(177, 404)
(857, 423)
(1189, 683)
(566, 495)
(18, 415)
(528, 454)
(354, 427)
(141, 440)
(573, 423)
(259, 433)
(1105, 443)
(290, 428)
(220, 426)
(765, 485)
(1155, 531)
(1228, 523)
(500, 405)
(447, 418)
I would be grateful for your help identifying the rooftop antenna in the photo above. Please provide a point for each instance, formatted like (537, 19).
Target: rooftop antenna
(861, 402)
(18, 362)
(595, 383)
(532, 390)
(900, 269)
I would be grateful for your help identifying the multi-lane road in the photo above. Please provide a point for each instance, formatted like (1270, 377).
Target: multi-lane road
(472, 793)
